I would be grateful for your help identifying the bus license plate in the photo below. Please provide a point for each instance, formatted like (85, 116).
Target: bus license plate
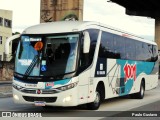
(39, 103)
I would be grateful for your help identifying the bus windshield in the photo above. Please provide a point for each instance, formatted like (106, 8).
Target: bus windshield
(47, 55)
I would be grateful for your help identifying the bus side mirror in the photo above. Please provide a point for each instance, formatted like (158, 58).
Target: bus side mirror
(7, 46)
(86, 42)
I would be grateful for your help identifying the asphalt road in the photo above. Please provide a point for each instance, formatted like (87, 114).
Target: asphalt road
(111, 107)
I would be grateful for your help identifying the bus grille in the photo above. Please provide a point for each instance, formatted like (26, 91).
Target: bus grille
(29, 91)
(45, 99)
(32, 91)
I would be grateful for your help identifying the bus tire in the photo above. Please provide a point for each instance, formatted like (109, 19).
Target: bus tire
(140, 94)
(96, 103)
(47, 107)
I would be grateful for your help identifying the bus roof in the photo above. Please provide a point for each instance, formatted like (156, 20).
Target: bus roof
(55, 27)
(75, 26)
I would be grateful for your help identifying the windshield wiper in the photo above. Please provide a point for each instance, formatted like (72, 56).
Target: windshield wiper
(32, 65)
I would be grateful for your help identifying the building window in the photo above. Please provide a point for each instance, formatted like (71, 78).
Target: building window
(7, 23)
(1, 21)
(0, 39)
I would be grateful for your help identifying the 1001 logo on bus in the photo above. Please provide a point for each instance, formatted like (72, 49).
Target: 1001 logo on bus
(130, 72)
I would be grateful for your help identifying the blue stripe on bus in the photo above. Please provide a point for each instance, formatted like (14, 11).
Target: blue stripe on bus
(145, 67)
(138, 66)
(62, 82)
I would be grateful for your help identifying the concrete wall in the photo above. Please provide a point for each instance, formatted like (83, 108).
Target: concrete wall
(6, 73)
(57, 10)
(5, 32)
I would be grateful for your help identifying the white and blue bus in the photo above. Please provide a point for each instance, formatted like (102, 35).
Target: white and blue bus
(71, 63)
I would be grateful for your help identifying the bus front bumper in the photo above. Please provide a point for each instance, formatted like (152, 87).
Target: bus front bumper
(65, 98)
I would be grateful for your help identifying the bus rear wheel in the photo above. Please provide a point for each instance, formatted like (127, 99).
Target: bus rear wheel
(96, 103)
(140, 94)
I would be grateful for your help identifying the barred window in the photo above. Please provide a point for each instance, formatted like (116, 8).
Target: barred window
(7, 23)
(1, 21)
(0, 39)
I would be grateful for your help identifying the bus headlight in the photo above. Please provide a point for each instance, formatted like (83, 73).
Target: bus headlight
(17, 86)
(67, 87)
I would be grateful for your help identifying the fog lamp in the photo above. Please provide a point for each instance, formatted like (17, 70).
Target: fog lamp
(16, 97)
(67, 99)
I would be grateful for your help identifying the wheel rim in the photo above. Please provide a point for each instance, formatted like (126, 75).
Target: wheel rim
(97, 100)
(142, 90)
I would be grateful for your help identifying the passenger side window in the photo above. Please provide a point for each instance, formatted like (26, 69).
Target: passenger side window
(106, 49)
(119, 47)
(155, 53)
(146, 52)
(139, 51)
(130, 51)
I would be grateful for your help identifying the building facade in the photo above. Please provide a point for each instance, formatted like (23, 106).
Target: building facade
(5, 32)
(57, 10)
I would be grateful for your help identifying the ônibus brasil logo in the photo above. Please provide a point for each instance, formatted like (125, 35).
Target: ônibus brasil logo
(130, 71)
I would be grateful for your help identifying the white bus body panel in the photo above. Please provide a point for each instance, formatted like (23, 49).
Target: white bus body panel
(87, 82)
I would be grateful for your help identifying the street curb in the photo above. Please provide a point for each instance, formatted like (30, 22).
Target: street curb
(5, 82)
(5, 93)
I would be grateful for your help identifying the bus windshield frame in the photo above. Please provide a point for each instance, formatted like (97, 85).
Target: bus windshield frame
(47, 56)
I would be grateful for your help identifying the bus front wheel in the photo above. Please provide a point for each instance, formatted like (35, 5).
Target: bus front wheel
(96, 103)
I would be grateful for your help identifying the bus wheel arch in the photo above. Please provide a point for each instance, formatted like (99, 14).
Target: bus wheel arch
(140, 94)
(100, 96)
(102, 89)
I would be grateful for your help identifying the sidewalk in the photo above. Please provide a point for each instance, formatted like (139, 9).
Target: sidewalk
(5, 89)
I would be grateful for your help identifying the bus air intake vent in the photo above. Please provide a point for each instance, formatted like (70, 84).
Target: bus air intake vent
(45, 99)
